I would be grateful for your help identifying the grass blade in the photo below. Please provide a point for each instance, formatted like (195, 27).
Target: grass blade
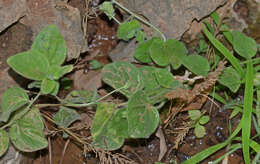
(247, 112)
(219, 46)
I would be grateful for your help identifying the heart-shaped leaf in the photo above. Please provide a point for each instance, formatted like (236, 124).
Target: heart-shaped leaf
(244, 45)
(119, 74)
(4, 142)
(27, 133)
(30, 64)
(12, 99)
(51, 43)
(109, 127)
(66, 116)
(142, 117)
(196, 64)
(230, 78)
(128, 30)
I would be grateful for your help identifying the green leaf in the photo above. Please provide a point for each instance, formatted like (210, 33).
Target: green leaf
(230, 78)
(67, 69)
(166, 79)
(247, 111)
(176, 51)
(66, 116)
(56, 88)
(158, 53)
(244, 45)
(142, 52)
(30, 64)
(128, 30)
(204, 119)
(12, 99)
(118, 74)
(51, 43)
(219, 46)
(94, 64)
(194, 114)
(140, 36)
(109, 127)
(143, 118)
(27, 133)
(34, 84)
(55, 72)
(79, 96)
(152, 88)
(4, 142)
(197, 64)
(199, 131)
(108, 9)
(47, 86)
(235, 111)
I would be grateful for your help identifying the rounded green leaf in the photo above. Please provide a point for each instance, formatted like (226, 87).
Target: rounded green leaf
(199, 131)
(51, 43)
(204, 119)
(27, 133)
(196, 64)
(176, 50)
(109, 127)
(128, 30)
(4, 142)
(142, 52)
(194, 114)
(142, 117)
(166, 79)
(66, 116)
(12, 99)
(30, 64)
(230, 78)
(94, 64)
(158, 52)
(119, 74)
(244, 45)
(47, 86)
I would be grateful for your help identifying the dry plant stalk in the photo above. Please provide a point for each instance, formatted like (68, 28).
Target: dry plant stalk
(195, 98)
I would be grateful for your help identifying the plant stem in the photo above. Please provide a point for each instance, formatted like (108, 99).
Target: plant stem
(20, 115)
(140, 19)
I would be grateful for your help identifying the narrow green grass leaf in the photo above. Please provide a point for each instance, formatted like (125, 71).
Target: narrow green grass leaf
(255, 146)
(219, 46)
(207, 152)
(247, 111)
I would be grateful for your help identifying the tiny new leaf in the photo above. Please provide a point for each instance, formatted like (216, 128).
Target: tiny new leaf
(108, 9)
(128, 30)
(51, 43)
(12, 99)
(47, 86)
(30, 64)
(118, 74)
(142, 117)
(199, 131)
(194, 114)
(4, 142)
(109, 128)
(79, 96)
(27, 133)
